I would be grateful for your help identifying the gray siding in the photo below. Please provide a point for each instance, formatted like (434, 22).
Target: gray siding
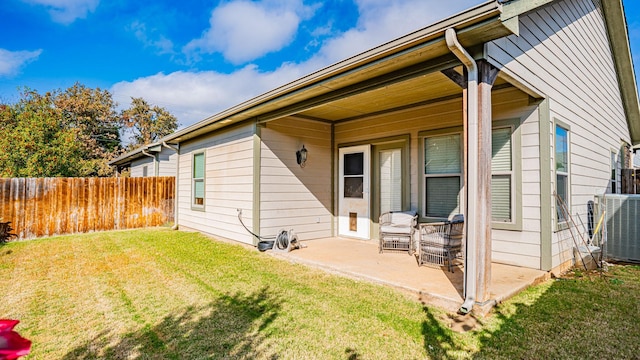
(563, 52)
(228, 183)
(138, 165)
(167, 160)
(292, 197)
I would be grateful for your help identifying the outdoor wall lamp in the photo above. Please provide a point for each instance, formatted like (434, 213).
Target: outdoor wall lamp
(301, 156)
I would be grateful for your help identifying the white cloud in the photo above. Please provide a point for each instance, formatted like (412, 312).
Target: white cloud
(243, 30)
(67, 11)
(381, 21)
(150, 39)
(12, 61)
(193, 96)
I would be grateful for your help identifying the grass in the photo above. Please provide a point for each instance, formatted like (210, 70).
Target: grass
(161, 294)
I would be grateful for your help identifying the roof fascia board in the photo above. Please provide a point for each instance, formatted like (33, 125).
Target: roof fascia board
(619, 39)
(459, 21)
(512, 9)
(515, 8)
(134, 154)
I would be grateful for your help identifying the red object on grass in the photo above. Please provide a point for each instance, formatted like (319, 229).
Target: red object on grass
(12, 345)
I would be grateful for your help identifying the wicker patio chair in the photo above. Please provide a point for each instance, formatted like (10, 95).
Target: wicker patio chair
(397, 229)
(441, 242)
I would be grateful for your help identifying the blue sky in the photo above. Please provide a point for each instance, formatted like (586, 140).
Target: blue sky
(199, 57)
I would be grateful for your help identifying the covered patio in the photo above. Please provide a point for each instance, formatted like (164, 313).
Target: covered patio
(359, 259)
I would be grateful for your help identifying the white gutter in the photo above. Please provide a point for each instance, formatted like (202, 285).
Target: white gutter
(175, 200)
(155, 169)
(471, 184)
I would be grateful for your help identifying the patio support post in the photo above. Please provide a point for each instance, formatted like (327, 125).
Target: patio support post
(487, 74)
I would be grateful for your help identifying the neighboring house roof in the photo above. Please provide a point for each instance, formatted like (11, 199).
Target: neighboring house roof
(136, 154)
(400, 70)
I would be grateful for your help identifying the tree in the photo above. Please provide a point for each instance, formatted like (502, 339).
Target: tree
(148, 123)
(61, 133)
(93, 113)
(72, 133)
(35, 143)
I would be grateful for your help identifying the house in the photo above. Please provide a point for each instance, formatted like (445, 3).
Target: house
(155, 159)
(489, 113)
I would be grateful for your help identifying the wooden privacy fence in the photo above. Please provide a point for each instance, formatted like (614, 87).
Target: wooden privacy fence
(54, 206)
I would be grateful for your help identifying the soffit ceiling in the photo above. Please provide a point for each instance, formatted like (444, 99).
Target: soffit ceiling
(416, 91)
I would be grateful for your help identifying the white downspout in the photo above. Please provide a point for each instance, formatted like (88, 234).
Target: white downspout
(175, 201)
(155, 168)
(471, 184)
(174, 148)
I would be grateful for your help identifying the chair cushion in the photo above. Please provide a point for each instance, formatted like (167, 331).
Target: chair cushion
(396, 229)
(435, 239)
(402, 219)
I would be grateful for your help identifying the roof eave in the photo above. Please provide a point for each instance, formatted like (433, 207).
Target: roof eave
(462, 22)
(132, 155)
(618, 36)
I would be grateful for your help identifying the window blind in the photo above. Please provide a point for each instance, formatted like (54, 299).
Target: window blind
(443, 155)
(443, 196)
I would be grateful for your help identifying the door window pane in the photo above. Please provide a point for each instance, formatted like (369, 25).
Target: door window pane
(390, 180)
(354, 164)
(353, 187)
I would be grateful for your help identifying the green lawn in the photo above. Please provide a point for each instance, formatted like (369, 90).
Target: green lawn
(162, 294)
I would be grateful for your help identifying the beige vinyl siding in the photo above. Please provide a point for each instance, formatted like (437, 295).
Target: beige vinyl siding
(228, 183)
(511, 247)
(292, 197)
(563, 51)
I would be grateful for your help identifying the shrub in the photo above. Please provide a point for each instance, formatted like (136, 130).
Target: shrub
(5, 232)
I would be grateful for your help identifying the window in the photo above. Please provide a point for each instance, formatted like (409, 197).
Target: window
(614, 175)
(198, 180)
(501, 175)
(353, 175)
(442, 175)
(145, 171)
(390, 180)
(562, 168)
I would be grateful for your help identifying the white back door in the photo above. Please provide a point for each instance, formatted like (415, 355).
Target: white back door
(354, 193)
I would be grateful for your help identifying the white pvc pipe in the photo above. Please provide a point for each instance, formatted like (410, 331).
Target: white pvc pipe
(155, 167)
(471, 184)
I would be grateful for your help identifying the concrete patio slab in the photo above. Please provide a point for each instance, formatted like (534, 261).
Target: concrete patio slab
(360, 259)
